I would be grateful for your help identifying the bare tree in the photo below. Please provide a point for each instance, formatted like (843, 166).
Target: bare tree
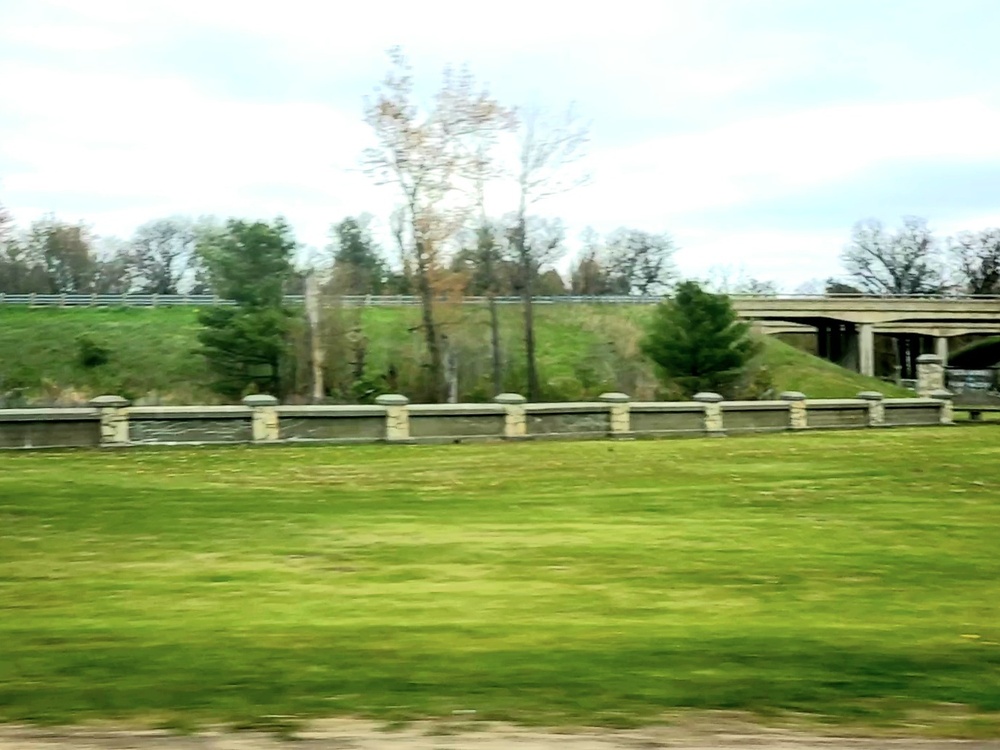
(487, 261)
(590, 273)
(21, 270)
(163, 254)
(907, 262)
(978, 257)
(401, 282)
(483, 260)
(549, 156)
(641, 262)
(533, 242)
(112, 271)
(427, 157)
(756, 287)
(6, 226)
(727, 279)
(65, 253)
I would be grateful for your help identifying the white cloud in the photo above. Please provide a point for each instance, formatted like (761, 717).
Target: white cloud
(65, 37)
(773, 156)
(161, 140)
(786, 257)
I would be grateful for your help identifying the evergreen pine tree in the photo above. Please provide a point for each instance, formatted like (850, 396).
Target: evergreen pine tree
(697, 341)
(245, 344)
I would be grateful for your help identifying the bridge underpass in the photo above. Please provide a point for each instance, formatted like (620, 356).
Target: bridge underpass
(840, 342)
(845, 327)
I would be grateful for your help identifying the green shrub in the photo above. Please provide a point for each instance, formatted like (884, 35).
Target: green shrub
(91, 354)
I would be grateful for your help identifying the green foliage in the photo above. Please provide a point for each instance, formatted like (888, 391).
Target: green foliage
(249, 262)
(697, 341)
(91, 354)
(581, 583)
(484, 262)
(245, 348)
(759, 385)
(549, 284)
(245, 345)
(358, 265)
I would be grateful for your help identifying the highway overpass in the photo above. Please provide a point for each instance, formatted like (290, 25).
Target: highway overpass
(846, 325)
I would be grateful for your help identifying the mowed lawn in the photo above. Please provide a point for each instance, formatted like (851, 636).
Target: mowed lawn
(853, 576)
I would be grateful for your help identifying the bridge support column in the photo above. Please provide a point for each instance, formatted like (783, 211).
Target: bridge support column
(908, 350)
(941, 349)
(866, 349)
(823, 340)
(850, 356)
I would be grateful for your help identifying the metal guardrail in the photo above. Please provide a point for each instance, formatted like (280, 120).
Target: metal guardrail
(207, 300)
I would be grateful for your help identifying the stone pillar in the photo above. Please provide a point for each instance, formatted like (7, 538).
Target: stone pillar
(114, 419)
(930, 375)
(515, 423)
(941, 349)
(866, 349)
(620, 423)
(713, 412)
(397, 417)
(947, 408)
(876, 407)
(798, 417)
(264, 417)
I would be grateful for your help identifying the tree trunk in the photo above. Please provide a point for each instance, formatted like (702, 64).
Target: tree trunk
(527, 300)
(316, 355)
(495, 344)
(451, 370)
(435, 366)
(528, 272)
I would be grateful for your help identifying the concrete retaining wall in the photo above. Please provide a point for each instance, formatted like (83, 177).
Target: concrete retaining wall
(109, 421)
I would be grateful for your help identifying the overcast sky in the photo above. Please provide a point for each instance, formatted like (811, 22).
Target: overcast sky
(755, 131)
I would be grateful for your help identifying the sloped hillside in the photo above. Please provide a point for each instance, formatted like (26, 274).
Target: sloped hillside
(66, 356)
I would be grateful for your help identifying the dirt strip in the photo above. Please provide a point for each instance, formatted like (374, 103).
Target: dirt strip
(361, 735)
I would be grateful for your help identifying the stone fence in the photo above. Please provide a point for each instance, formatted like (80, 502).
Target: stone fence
(110, 421)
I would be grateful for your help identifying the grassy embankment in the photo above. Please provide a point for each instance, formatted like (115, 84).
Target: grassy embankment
(582, 351)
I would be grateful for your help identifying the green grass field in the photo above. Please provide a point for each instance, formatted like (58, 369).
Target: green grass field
(852, 577)
(583, 351)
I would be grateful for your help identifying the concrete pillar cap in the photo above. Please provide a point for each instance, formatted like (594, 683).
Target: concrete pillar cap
(929, 359)
(871, 396)
(392, 399)
(615, 398)
(792, 396)
(708, 398)
(509, 398)
(109, 402)
(259, 399)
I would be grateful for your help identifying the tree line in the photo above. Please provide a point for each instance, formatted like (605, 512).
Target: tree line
(911, 260)
(694, 340)
(165, 256)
